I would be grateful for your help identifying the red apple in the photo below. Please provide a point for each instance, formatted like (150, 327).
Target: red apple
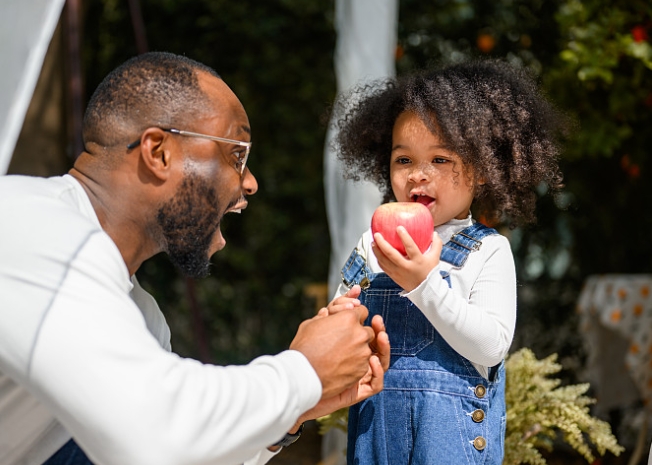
(414, 217)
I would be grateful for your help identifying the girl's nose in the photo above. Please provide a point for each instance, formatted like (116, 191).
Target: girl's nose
(420, 172)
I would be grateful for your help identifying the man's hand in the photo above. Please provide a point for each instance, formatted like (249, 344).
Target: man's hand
(371, 383)
(377, 360)
(376, 347)
(380, 344)
(337, 347)
(411, 270)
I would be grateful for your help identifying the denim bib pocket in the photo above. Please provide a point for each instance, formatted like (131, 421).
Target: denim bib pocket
(410, 329)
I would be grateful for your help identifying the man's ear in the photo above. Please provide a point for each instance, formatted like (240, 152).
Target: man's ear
(155, 153)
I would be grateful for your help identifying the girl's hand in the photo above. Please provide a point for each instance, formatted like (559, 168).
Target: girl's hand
(347, 301)
(411, 270)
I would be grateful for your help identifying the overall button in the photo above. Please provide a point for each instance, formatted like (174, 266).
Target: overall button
(480, 391)
(478, 415)
(479, 443)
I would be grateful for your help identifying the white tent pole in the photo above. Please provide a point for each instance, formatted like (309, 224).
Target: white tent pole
(365, 50)
(366, 46)
(26, 28)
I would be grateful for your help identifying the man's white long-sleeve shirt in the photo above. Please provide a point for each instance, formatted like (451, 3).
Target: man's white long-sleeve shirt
(477, 314)
(85, 351)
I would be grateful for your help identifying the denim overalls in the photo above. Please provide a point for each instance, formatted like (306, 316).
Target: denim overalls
(435, 407)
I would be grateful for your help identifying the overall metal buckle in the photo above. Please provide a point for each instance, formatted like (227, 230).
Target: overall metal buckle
(473, 248)
(364, 282)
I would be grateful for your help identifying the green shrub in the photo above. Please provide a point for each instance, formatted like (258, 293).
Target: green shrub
(539, 410)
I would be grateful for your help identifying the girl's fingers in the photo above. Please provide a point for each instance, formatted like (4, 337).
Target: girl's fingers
(354, 291)
(336, 308)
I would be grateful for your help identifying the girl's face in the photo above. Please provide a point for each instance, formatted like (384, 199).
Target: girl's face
(422, 170)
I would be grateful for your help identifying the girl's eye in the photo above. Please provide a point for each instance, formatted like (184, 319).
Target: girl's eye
(402, 160)
(439, 160)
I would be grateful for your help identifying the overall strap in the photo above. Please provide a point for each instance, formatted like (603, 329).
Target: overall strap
(461, 244)
(356, 271)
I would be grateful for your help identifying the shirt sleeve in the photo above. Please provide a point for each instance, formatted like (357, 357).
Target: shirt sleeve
(126, 400)
(480, 324)
(262, 457)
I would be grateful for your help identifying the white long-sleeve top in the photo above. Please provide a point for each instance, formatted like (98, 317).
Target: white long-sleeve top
(477, 314)
(85, 352)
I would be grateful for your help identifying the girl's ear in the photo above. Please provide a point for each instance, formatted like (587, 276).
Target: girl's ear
(478, 187)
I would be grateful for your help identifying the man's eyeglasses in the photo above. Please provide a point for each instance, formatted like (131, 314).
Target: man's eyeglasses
(241, 157)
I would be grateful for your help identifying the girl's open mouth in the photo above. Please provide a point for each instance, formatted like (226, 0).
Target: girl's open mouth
(423, 199)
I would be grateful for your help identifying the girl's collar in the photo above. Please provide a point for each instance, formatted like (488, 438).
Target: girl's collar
(447, 230)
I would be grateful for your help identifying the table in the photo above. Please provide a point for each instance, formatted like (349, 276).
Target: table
(616, 324)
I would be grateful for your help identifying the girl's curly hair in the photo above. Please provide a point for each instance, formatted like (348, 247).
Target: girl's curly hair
(488, 112)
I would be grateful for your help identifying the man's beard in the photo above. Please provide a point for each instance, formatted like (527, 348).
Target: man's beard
(188, 222)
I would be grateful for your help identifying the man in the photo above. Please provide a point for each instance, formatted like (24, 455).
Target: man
(84, 350)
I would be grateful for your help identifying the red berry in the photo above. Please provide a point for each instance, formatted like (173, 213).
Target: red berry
(639, 33)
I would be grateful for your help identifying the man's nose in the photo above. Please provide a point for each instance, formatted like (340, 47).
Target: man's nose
(249, 183)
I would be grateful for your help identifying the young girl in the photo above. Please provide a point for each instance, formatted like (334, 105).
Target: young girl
(475, 136)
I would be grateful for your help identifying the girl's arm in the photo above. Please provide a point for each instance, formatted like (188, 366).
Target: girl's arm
(478, 314)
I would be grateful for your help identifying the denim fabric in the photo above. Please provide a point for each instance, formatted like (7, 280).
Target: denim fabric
(69, 454)
(424, 415)
(457, 249)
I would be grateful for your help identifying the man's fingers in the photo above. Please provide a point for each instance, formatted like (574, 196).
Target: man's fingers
(381, 346)
(371, 336)
(363, 313)
(377, 374)
(383, 349)
(377, 323)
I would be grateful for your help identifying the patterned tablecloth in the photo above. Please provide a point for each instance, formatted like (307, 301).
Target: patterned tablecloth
(616, 324)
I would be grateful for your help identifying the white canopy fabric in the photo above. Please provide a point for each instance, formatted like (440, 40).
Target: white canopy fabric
(365, 51)
(26, 28)
(366, 46)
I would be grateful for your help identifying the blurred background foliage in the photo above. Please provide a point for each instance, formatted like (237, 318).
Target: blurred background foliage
(593, 59)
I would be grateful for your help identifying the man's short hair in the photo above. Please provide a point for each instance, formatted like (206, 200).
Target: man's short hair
(152, 89)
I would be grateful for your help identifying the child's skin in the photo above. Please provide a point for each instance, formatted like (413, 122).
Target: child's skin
(422, 170)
